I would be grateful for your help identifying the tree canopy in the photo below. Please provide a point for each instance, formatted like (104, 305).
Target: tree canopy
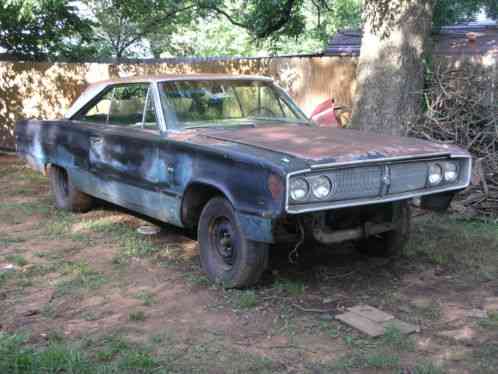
(142, 28)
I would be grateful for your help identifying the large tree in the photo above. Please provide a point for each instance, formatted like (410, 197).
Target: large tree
(43, 28)
(391, 64)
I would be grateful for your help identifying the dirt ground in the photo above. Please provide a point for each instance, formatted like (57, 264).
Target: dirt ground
(90, 285)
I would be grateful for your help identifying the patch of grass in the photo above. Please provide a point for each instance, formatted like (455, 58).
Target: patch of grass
(18, 260)
(395, 340)
(329, 328)
(290, 287)
(197, 279)
(60, 224)
(111, 347)
(115, 357)
(381, 353)
(49, 311)
(6, 241)
(490, 322)
(445, 241)
(368, 360)
(427, 368)
(137, 316)
(132, 243)
(486, 357)
(29, 175)
(81, 277)
(15, 213)
(35, 270)
(146, 297)
(430, 312)
(137, 361)
(245, 299)
(16, 357)
(4, 276)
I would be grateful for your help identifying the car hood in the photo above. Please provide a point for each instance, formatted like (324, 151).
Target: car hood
(318, 144)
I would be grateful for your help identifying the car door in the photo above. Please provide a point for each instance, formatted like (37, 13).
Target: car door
(126, 157)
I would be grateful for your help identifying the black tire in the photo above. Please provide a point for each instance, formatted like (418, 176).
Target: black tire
(391, 243)
(66, 195)
(227, 257)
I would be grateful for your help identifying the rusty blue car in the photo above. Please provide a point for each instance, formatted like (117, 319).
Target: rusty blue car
(234, 158)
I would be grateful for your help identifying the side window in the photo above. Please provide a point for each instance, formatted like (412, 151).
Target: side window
(99, 111)
(127, 105)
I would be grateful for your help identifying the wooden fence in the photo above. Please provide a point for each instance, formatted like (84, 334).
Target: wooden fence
(45, 90)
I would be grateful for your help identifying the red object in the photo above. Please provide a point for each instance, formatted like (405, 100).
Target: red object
(324, 114)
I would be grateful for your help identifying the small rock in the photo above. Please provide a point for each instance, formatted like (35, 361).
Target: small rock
(148, 230)
(8, 267)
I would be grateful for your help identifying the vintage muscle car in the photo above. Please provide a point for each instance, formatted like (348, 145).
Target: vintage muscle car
(234, 158)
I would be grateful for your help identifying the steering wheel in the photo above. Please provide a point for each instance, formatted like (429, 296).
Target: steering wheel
(260, 110)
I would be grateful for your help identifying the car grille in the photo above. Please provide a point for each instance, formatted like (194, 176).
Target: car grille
(408, 177)
(356, 183)
(388, 181)
(374, 181)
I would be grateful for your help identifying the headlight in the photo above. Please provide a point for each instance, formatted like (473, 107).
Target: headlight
(450, 172)
(321, 187)
(299, 189)
(435, 174)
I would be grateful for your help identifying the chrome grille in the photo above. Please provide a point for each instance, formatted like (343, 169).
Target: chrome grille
(379, 182)
(357, 182)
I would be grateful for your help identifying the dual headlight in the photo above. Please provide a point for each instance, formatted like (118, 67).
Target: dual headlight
(320, 187)
(442, 172)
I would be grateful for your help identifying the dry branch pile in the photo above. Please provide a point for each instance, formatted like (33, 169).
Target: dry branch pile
(461, 109)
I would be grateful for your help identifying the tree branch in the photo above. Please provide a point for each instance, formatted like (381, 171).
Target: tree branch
(230, 19)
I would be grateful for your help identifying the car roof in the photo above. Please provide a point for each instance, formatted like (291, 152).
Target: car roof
(174, 77)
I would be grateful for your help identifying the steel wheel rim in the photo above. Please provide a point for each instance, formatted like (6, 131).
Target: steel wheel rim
(223, 241)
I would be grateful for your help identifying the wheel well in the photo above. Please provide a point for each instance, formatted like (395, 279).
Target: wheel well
(194, 200)
(50, 165)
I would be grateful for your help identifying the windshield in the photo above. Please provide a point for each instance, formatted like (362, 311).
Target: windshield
(221, 103)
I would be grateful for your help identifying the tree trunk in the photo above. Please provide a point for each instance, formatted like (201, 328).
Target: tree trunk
(390, 73)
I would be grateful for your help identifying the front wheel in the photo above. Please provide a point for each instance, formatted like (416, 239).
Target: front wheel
(391, 243)
(227, 256)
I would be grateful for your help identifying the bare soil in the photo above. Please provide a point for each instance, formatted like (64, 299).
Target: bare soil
(85, 277)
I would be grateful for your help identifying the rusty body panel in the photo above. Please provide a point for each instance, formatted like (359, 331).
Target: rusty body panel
(168, 174)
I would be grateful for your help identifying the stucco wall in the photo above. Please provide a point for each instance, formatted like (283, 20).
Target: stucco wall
(46, 90)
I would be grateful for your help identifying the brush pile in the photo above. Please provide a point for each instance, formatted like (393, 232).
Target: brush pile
(461, 108)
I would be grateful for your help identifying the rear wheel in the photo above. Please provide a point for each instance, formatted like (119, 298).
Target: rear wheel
(227, 256)
(66, 195)
(391, 243)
